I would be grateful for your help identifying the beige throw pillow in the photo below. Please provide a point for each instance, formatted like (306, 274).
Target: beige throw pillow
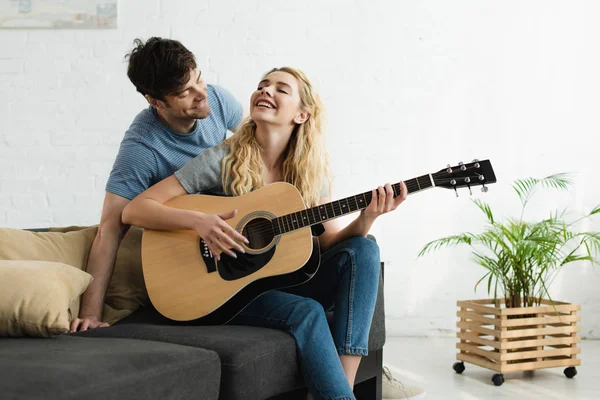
(68, 248)
(36, 296)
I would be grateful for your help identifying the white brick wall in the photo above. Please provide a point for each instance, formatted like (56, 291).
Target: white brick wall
(409, 86)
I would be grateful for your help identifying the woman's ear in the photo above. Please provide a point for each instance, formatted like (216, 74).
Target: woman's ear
(301, 118)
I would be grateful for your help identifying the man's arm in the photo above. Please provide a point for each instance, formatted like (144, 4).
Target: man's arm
(101, 263)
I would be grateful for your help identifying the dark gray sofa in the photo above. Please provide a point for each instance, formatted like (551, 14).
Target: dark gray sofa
(146, 356)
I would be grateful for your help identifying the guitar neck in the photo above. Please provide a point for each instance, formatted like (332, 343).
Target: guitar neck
(325, 212)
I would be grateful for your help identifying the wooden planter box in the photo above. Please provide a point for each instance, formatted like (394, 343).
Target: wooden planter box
(518, 339)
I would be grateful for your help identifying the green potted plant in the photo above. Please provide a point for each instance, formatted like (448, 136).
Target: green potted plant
(521, 328)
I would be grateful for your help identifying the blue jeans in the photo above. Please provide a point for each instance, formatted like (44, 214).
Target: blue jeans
(347, 282)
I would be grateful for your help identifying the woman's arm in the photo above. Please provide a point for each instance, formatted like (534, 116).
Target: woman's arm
(383, 201)
(147, 210)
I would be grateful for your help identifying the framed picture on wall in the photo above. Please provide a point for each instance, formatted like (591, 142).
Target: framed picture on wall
(69, 14)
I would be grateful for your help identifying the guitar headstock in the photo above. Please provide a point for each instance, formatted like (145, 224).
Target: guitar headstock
(476, 173)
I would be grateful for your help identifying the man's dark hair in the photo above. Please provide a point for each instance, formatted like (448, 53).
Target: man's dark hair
(159, 67)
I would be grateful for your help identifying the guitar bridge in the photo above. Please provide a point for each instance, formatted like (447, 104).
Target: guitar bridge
(207, 257)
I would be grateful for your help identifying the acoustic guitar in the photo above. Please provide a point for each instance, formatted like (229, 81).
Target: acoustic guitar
(186, 283)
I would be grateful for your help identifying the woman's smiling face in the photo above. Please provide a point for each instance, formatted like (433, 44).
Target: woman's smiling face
(277, 101)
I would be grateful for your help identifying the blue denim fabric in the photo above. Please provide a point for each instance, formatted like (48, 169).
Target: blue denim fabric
(346, 282)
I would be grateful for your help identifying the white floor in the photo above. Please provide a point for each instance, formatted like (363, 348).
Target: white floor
(428, 362)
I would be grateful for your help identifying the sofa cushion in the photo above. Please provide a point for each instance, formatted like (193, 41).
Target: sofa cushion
(67, 367)
(35, 296)
(265, 357)
(68, 248)
(126, 290)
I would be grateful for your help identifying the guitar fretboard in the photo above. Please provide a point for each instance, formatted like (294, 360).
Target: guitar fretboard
(337, 208)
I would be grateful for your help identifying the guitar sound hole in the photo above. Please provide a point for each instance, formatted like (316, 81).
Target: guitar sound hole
(259, 232)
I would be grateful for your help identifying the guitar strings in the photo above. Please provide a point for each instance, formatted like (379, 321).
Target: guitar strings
(266, 229)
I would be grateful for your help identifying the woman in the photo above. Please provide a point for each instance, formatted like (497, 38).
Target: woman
(282, 141)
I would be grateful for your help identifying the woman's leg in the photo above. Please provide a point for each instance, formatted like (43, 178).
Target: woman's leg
(347, 281)
(350, 365)
(305, 320)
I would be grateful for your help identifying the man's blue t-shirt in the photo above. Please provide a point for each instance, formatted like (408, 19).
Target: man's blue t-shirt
(150, 151)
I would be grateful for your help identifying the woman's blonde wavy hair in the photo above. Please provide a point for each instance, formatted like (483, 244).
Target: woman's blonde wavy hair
(306, 162)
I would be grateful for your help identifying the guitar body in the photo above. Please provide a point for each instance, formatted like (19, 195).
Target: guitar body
(185, 283)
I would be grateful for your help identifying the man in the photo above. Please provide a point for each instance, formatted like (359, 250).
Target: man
(185, 116)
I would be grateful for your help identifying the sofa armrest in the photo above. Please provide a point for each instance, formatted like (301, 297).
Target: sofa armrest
(377, 333)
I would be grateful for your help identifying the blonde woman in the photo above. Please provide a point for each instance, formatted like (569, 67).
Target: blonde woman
(282, 141)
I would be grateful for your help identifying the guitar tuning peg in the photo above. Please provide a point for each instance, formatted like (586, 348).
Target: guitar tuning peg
(460, 163)
(455, 191)
(484, 189)
(468, 182)
(475, 160)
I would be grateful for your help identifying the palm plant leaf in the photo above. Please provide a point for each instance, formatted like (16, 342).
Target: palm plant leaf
(486, 210)
(576, 257)
(490, 277)
(465, 238)
(591, 241)
(525, 187)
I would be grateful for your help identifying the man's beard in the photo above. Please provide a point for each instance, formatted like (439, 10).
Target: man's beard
(200, 114)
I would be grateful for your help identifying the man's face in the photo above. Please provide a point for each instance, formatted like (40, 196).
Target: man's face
(190, 101)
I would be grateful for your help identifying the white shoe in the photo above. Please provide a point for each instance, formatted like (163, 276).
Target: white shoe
(393, 389)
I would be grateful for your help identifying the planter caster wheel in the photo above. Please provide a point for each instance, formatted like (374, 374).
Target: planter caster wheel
(498, 379)
(570, 372)
(458, 367)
